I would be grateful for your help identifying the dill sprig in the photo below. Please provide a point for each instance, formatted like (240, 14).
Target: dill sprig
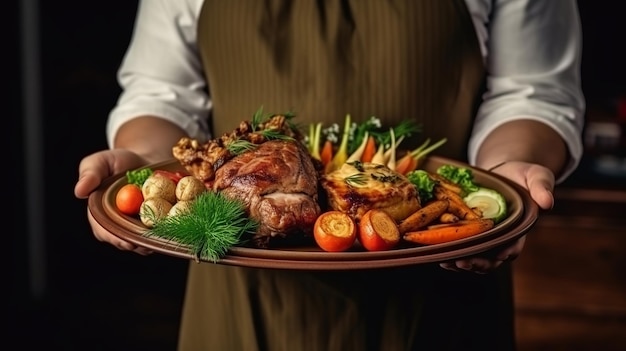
(210, 228)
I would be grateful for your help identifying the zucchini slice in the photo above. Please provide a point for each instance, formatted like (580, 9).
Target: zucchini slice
(489, 202)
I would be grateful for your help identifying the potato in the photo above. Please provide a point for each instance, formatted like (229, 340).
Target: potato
(159, 186)
(188, 188)
(180, 207)
(154, 209)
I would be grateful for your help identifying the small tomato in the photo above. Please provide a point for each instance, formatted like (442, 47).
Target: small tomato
(128, 199)
(334, 231)
(378, 231)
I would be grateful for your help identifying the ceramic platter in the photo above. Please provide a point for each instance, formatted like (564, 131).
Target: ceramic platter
(523, 213)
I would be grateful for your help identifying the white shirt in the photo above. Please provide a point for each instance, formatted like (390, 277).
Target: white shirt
(531, 48)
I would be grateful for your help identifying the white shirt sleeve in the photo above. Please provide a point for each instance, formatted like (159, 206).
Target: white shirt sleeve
(161, 74)
(533, 64)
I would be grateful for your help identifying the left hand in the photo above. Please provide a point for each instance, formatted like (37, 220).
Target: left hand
(539, 181)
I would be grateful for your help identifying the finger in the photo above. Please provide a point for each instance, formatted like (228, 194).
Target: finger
(94, 168)
(478, 265)
(474, 265)
(511, 252)
(540, 182)
(451, 266)
(91, 171)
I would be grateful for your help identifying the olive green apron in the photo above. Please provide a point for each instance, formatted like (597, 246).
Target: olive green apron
(323, 59)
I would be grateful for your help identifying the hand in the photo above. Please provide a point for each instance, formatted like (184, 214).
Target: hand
(92, 170)
(539, 181)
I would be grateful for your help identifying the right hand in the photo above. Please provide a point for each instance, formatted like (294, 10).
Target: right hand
(95, 168)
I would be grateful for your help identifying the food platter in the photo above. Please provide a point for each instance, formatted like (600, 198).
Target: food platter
(522, 216)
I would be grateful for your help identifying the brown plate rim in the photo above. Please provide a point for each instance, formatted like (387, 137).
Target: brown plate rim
(522, 217)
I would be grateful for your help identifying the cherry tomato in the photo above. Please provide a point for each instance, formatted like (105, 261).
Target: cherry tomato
(175, 176)
(378, 231)
(334, 231)
(128, 199)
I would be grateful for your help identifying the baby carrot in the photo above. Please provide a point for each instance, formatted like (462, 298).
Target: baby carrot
(327, 152)
(423, 216)
(446, 233)
(457, 206)
(406, 164)
(370, 150)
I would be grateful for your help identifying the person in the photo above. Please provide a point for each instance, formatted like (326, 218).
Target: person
(499, 79)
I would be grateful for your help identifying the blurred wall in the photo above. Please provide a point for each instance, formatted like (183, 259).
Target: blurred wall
(66, 287)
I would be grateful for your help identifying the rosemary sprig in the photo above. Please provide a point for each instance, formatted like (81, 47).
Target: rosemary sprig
(210, 228)
(258, 118)
(358, 165)
(239, 146)
(357, 179)
(385, 178)
(270, 134)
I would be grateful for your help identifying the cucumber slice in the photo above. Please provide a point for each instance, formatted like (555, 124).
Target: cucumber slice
(490, 202)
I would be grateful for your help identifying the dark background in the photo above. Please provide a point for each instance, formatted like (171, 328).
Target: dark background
(86, 295)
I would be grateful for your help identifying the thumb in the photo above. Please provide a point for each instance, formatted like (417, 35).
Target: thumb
(540, 182)
(93, 169)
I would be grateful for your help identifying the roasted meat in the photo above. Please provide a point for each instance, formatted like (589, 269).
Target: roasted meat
(278, 184)
(203, 159)
(357, 187)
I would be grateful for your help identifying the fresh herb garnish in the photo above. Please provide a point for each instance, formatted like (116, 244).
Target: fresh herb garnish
(424, 183)
(404, 129)
(138, 176)
(210, 228)
(259, 117)
(357, 132)
(385, 178)
(239, 146)
(270, 134)
(357, 179)
(358, 165)
(459, 175)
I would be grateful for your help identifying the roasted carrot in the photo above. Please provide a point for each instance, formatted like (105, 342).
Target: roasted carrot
(423, 216)
(444, 182)
(370, 150)
(327, 152)
(457, 206)
(378, 231)
(445, 233)
(406, 164)
(448, 217)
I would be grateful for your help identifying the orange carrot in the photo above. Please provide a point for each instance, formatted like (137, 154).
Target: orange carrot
(444, 182)
(423, 216)
(370, 150)
(327, 152)
(446, 233)
(448, 217)
(378, 231)
(406, 164)
(457, 206)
